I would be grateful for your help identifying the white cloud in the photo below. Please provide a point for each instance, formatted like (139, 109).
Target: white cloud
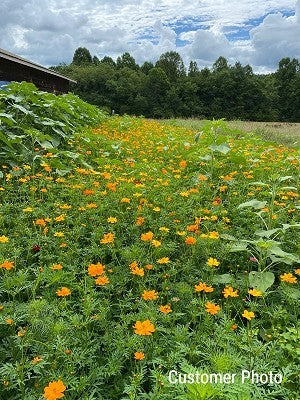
(48, 31)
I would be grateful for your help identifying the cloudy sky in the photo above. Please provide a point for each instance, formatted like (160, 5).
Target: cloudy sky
(259, 32)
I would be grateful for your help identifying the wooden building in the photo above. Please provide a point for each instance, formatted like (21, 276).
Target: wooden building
(15, 68)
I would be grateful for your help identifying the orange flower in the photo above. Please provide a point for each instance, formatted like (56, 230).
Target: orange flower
(135, 270)
(125, 200)
(96, 269)
(108, 238)
(7, 265)
(36, 359)
(56, 267)
(182, 164)
(149, 295)
(289, 278)
(202, 178)
(140, 221)
(55, 390)
(138, 355)
(40, 222)
(248, 315)
(144, 328)
(202, 287)
(147, 236)
(102, 280)
(229, 292)
(87, 192)
(212, 308)
(64, 291)
(9, 321)
(165, 309)
(255, 292)
(163, 260)
(190, 240)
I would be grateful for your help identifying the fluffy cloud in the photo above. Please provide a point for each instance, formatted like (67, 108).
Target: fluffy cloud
(48, 31)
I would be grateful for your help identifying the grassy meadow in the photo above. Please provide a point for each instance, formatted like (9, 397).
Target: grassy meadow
(129, 248)
(287, 133)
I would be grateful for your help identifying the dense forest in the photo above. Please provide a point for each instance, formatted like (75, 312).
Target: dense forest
(166, 89)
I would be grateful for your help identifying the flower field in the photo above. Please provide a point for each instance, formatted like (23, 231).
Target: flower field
(130, 248)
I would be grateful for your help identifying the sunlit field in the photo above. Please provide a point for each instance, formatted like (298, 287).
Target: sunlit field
(130, 248)
(287, 133)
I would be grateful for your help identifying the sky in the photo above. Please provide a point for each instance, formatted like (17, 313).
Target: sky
(255, 32)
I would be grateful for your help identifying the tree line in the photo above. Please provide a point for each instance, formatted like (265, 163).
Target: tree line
(166, 89)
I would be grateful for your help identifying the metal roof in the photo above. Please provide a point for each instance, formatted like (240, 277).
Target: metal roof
(15, 58)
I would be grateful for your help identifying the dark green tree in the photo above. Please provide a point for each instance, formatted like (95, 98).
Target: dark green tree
(126, 60)
(172, 63)
(82, 56)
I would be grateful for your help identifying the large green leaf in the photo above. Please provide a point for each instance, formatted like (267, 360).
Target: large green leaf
(253, 204)
(261, 280)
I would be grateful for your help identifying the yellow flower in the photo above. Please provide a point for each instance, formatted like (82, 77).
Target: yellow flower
(112, 220)
(156, 243)
(28, 209)
(163, 260)
(229, 292)
(102, 280)
(108, 238)
(144, 328)
(255, 292)
(4, 239)
(212, 308)
(165, 309)
(202, 287)
(289, 278)
(150, 295)
(125, 200)
(164, 229)
(214, 235)
(9, 321)
(248, 315)
(212, 262)
(59, 234)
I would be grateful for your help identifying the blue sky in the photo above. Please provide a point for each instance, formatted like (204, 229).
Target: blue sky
(250, 31)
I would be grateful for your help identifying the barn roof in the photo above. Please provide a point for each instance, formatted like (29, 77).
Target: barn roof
(17, 59)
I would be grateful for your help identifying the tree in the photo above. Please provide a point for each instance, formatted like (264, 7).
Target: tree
(287, 77)
(96, 60)
(108, 60)
(126, 60)
(82, 56)
(146, 67)
(193, 68)
(220, 64)
(171, 62)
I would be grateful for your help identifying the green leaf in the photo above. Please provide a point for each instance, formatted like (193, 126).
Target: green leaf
(261, 280)
(197, 136)
(253, 203)
(224, 278)
(221, 148)
(291, 292)
(267, 233)
(238, 246)
(277, 251)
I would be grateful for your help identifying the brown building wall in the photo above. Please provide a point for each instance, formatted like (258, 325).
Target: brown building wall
(12, 71)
